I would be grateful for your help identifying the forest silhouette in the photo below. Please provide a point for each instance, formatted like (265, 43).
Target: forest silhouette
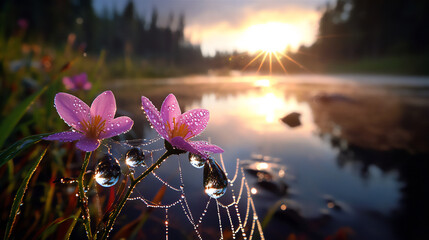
(375, 33)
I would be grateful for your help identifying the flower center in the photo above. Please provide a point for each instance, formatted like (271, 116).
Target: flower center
(94, 126)
(179, 130)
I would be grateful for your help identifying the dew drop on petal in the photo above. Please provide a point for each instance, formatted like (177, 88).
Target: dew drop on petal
(196, 160)
(214, 181)
(107, 171)
(134, 157)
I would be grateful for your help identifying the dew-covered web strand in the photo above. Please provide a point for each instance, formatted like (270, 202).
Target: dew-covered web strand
(182, 201)
(233, 215)
(235, 204)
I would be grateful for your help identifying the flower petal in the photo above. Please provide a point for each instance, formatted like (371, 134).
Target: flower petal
(87, 144)
(81, 78)
(180, 143)
(68, 83)
(117, 126)
(196, 120)
(206, 147)
(154, 117)
(170, 109)
(71, 109)
(81, 81)
(87, 86)
(68, 136)
(104, 105)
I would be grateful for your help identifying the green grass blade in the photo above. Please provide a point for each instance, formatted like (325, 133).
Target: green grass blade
(70, 230)
(12, 119)
(54, 225)
(270, 214)
(19, 146)
(20, 195)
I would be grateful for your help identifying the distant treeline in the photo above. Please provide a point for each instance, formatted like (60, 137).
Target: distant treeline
(373, 36)
(353, 29)
(119, 33)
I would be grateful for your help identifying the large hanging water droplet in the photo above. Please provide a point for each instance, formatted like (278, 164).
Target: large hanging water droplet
(215, 181)
(107, 171)
(134, 157)
(196, 160)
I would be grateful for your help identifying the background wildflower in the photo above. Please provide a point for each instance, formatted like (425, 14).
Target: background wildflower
(77, 82)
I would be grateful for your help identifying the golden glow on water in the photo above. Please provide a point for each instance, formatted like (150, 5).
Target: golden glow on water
(260, 110)
(262, 166)
(262, 83)
(268, 106)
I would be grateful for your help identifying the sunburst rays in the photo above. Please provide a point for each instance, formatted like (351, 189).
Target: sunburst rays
(270, 55)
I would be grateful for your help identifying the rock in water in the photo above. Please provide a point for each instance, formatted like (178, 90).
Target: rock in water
(292, 119)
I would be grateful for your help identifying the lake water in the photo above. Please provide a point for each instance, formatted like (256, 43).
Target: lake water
(353, 162)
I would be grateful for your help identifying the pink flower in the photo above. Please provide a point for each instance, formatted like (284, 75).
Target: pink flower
(90, 125)
(77, 82)
(177, 128)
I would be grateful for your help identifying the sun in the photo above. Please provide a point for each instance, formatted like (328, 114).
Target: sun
(270, 37)
(269, 41)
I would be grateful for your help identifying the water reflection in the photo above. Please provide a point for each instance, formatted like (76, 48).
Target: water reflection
(356, 159)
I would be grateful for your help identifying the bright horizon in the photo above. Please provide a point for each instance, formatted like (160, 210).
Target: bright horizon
(275, 30)
(244, 26)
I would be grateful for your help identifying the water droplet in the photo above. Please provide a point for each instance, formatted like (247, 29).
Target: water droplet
(134, 157)
(215, 181)
(196, 160)
(107, 171)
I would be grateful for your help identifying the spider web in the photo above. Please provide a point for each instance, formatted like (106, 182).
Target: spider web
(234, 225)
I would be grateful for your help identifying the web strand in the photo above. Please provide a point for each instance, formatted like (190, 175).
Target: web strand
(241, 226)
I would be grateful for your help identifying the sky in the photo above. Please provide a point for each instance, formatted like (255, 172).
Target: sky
(241, 25)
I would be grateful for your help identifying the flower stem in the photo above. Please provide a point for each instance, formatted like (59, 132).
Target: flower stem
(133, 184)
(83, 199)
